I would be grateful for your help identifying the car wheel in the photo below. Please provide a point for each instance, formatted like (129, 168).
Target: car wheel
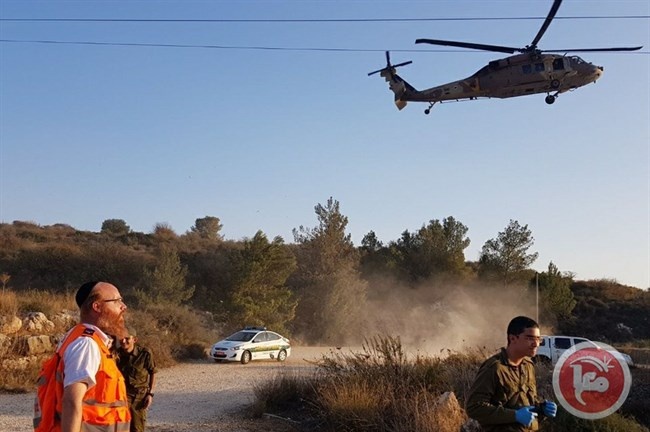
(245, 357)
(282, 355)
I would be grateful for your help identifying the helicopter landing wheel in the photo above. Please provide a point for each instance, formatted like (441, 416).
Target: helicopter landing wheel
(427, 111)
(550, 99)
(555, 84)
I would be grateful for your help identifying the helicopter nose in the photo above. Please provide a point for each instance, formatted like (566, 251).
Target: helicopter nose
(598, 71)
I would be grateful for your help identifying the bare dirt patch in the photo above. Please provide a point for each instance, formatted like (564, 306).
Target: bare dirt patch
(201, 396)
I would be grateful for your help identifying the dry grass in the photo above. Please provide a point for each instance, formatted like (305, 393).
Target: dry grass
(378, 389)
(8, 304)
(46, 302)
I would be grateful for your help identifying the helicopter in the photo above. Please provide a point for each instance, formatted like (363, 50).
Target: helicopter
(532, 71)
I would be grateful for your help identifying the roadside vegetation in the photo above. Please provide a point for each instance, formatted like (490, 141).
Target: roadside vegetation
(380, 388)
(186, 291)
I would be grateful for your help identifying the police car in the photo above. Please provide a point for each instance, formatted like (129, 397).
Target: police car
(251, 343)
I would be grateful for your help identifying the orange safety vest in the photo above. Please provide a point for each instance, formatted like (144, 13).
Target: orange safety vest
(104, 406)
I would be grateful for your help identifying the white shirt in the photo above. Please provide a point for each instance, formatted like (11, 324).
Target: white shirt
(82, 358)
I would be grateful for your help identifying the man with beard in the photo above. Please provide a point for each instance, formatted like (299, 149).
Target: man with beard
(504, 397)
(94, 392)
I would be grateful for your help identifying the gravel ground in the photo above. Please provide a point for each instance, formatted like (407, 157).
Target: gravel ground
(201, 396)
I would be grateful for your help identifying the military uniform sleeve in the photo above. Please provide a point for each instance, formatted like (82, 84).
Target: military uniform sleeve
(150, 364)
(479, 402)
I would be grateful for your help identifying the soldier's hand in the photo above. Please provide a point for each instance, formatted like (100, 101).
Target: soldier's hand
(525, 415)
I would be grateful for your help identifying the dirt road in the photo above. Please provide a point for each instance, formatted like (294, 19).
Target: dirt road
(201, 396)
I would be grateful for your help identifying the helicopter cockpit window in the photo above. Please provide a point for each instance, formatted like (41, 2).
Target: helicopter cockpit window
(527, 68)
(558, 64)
(539, 67)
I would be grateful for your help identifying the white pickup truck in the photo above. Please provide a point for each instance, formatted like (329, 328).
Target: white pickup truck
(551, 348)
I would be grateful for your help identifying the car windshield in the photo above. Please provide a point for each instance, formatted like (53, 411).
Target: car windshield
(242, 336)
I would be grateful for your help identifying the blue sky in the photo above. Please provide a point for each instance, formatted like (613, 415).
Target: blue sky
(258, 137)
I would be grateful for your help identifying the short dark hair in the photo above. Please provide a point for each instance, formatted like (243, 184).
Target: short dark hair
(519, 324)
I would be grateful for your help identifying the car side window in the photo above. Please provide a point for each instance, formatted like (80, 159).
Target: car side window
(272, 336)
(562, 343)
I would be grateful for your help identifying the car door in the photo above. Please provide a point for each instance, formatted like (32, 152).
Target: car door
(274, 344)
(560, 344)
(258, 350)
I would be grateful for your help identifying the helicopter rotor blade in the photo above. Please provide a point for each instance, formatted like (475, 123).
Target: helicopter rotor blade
(403, 64)
(594, 49)
(390, 66)
(483, 47)
(547, 22)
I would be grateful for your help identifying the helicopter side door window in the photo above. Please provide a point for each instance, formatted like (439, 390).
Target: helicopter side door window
(539, 67)
(526, 69)
(558, 64)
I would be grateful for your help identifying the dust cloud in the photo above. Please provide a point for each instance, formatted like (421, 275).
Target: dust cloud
(438, 319)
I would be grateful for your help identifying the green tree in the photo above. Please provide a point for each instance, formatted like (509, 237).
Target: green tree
(506, 258)
(208, 228)
(115, 227)
(165, 283)
(434, 250)
(332, 293)
(260, 295)
(555, 295)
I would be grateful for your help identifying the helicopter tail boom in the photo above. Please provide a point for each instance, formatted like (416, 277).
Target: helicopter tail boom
(398, 86)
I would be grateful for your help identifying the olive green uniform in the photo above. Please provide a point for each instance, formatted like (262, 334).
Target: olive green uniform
(499, 390)
(137, 366)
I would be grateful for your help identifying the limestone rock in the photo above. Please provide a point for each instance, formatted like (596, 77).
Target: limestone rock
(10, 324)
(5, 344)
(65, 320)
(33, 345)
(37, 322)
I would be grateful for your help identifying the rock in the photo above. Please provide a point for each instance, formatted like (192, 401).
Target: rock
(5, 343)
(65, 320)
(33, 345)
(37, 322)
(449, 415)
(18, 364)
(10, 324)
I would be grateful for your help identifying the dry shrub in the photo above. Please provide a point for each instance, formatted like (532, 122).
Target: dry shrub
(459, 370)
(353, 404)
(172, 332)
(640, 356)
(8, 303)
(377, 389)
(44, 301)
(284, 394)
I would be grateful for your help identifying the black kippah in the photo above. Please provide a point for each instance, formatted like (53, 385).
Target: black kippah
(84, 291)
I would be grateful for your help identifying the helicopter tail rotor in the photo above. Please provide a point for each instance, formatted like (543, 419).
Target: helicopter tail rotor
(389, 66)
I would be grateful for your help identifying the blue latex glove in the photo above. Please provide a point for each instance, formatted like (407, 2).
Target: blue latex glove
(525, 415)
(550, 408)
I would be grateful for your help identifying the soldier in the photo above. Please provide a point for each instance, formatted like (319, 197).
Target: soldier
(504, 397)
(137, 365)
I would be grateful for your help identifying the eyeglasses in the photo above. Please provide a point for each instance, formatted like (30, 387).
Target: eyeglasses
(533, 338)
(119, 299)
